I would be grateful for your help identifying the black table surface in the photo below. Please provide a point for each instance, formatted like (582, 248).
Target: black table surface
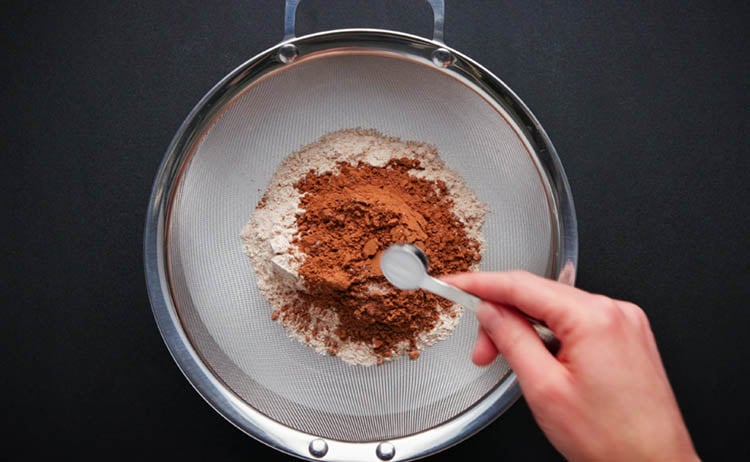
(647, 105)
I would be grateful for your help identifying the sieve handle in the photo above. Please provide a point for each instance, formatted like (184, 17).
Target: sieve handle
(438, 14)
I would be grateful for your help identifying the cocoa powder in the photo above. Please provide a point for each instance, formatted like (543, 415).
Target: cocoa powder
(350, 216)
(342, 199)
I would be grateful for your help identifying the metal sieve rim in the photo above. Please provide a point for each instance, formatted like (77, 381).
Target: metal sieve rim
(199, 374)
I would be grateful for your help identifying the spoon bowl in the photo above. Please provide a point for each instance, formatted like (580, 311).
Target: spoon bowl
(405, 266)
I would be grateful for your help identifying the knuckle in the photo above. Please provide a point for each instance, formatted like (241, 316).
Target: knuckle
(514, 278)
(603, 303)
(545, 389)
(518, 282)
(636, 314)
(607, 315)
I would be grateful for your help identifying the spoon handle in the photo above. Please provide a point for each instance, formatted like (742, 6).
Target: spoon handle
(454, 294)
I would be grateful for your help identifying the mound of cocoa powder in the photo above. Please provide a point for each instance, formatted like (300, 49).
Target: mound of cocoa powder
(349, 218)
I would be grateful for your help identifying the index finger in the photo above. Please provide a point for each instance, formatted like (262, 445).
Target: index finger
(559, 305)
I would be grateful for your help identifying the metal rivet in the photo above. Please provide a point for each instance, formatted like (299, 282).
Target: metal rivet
(385, 451)
(442, 57)
(318, 447)
(288, 53)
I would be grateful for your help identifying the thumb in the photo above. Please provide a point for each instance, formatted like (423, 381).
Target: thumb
(518, 342)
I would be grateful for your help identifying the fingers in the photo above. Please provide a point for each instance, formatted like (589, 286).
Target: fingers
(517, 341)
(485, 350)
(560, 306)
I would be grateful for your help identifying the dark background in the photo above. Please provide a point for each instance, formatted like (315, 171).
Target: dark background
(647, 105)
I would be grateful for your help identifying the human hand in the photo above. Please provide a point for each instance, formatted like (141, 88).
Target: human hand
(605, 395)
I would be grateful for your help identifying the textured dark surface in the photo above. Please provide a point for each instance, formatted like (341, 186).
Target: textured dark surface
(646, 104)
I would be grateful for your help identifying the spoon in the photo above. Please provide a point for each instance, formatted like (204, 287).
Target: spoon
(405, 266)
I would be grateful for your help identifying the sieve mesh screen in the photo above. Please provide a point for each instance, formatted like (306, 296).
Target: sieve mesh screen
(213, 285)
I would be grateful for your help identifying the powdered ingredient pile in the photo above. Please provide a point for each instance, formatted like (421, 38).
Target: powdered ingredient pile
(317, 233)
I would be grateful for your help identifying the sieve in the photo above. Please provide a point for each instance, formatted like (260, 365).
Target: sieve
(203, 290)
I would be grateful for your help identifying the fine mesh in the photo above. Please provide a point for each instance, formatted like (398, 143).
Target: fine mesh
(214, 287)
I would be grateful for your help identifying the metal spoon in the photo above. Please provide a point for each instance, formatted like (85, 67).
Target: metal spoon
(405, 266)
